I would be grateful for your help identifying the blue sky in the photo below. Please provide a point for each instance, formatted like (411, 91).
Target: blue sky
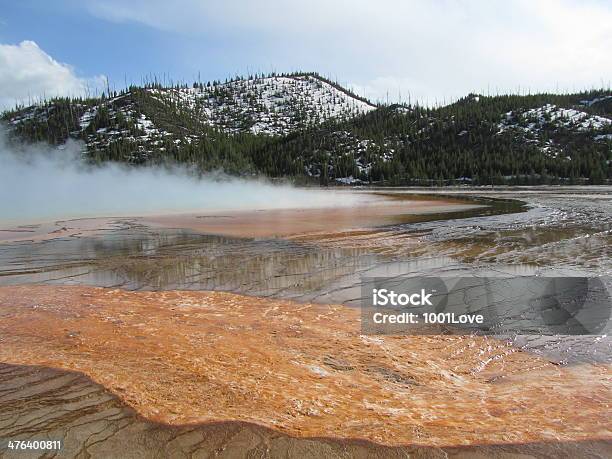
(433, 51)
(95, 46)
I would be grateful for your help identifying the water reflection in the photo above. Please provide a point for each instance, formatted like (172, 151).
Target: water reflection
(148, 259)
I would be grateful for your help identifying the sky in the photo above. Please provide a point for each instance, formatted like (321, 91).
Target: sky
(431, 51)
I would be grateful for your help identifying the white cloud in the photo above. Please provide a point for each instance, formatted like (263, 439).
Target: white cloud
(28, 74)
(434, 50)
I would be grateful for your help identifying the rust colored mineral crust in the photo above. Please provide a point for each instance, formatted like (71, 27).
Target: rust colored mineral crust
(189, 357)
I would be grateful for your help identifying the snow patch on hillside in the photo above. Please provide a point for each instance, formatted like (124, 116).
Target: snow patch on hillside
(557, 117)
(271, 105)
(530, 125)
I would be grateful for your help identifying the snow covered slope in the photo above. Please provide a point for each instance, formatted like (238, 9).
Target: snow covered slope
(556, 117)
(273, 105)
(549, 126)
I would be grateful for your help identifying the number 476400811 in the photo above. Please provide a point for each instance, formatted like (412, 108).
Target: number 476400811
(33, 444)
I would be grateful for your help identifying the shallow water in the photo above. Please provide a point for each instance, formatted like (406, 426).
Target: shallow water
(558, 232)
(135, 256)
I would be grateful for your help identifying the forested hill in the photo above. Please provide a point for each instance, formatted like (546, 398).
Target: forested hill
(503, 139)
(311, 129)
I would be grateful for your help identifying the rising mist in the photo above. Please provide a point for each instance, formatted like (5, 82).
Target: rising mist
(40, 182)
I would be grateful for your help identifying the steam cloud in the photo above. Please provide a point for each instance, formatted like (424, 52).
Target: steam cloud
(41, 183)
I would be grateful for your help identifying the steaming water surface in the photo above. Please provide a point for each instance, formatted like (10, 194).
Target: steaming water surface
(39, 183)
